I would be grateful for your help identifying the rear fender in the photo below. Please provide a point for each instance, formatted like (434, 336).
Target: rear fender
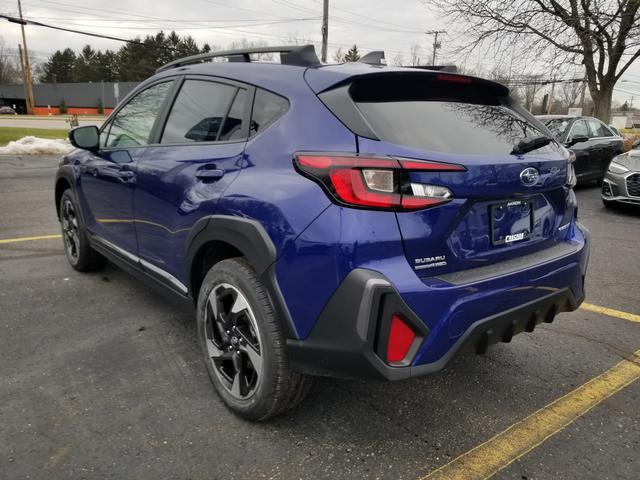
(251, 239)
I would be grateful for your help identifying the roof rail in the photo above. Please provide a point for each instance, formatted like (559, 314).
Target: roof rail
(373, 58)
(300, 55)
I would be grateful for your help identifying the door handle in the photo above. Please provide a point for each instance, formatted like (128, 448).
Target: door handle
(210, 174)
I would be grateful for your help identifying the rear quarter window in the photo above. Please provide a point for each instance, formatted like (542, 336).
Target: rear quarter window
(267, 108)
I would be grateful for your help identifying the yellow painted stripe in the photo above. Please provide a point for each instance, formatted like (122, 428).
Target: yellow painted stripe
(632, 317)
(28, 239)
(508, 446)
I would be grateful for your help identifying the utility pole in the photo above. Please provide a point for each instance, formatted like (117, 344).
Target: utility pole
(436, 45)
(24, 75)
(27, 67)
(325, 29)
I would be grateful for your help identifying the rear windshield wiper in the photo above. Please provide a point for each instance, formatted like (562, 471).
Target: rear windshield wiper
(529, 144)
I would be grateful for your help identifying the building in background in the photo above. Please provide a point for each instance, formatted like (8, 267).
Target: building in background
(71, 98)
(625, 119)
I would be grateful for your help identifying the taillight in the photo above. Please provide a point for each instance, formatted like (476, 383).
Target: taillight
(401, 337)
(375, 182)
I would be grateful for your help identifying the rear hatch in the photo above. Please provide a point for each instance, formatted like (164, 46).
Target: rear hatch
(509, 200)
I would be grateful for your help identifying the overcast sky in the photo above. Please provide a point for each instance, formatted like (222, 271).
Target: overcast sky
(393, 26)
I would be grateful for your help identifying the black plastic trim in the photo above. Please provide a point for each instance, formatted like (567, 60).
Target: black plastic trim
(252, 240)
(339, 102)
(503, 326)
(65, 172)
(350, 328)
(152, 281)
(348, 332)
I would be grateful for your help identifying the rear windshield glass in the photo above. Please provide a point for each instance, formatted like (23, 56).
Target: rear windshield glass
(448, 120)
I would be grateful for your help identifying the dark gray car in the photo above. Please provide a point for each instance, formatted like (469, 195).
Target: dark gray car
(622, 180)
(593, 142)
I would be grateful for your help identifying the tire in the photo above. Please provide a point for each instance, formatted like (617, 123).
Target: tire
(74, 236)
(243, 346)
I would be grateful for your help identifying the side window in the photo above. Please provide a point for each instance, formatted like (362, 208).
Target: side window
(579, 128)
(198, 113)
(598, 129)
(132, 125)
(267, 107)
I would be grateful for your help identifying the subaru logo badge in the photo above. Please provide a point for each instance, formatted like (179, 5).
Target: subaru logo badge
(529, 176)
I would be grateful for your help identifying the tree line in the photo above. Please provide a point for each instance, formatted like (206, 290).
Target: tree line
(133, 62)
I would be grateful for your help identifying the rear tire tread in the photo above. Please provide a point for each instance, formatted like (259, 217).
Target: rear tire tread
(290, 388)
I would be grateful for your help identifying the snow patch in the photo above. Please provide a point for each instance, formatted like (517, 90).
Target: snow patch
(36, 146)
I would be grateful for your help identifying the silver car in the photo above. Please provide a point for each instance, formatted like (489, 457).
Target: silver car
(621, 182)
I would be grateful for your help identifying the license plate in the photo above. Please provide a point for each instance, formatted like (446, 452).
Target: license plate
(511, 221)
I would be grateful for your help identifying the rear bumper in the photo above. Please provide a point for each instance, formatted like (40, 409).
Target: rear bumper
(348, 339)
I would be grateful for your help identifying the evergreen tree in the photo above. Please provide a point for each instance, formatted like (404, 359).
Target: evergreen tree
(133, 62)
(60, 67)
(353, 55)
(85, 68)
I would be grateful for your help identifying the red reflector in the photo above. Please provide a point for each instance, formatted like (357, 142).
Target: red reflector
(401, 337)
(453, 78)
(413, 203)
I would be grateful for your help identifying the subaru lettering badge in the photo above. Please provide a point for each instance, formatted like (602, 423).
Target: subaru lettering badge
(529, 177)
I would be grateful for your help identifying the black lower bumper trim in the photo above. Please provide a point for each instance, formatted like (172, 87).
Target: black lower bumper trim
(345, 341)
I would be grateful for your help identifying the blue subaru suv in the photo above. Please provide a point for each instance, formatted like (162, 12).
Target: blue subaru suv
(352, 220)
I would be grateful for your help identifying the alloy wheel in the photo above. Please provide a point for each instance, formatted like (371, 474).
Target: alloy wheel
(70, 229)
(233, 342)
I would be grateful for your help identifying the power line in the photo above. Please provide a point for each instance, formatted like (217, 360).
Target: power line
(360, 15)
(207, 27)
(98, 35)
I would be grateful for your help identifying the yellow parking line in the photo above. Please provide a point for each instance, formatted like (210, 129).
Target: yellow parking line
(28, 239)
(519, 439)
(632, 317)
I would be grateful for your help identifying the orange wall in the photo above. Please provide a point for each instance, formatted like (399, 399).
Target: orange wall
(70, 111)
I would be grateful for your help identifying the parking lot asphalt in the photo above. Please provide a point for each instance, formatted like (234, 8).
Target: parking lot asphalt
(101, 378)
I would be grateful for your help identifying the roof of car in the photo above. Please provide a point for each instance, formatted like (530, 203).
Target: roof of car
(280, 78)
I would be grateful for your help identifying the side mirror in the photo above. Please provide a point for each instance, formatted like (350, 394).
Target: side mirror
(577, 139)
(86, 138)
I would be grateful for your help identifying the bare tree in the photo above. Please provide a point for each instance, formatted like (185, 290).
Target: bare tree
(414, 53)
(9, 65)
(603, 35)
(398, 60)
(338, 56)
(528, 88)
(569, 92)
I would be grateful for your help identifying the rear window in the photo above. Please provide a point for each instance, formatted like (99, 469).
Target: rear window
(443, 117)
